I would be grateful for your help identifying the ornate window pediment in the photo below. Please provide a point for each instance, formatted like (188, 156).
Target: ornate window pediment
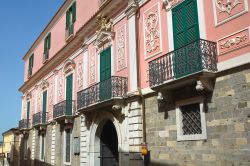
(69, 66)
(105, 34)
(44, 84)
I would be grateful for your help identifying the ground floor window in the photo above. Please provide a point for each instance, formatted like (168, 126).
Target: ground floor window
(190, 119)
(42, 147)
(25, 147)
(67, 146)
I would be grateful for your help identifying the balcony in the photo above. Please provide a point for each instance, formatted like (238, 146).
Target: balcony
(106, 92)
(69, 32)
(24, 124)
(29, 73)
(197, 59)
(45, 56)
(40, 119)
(64, 110)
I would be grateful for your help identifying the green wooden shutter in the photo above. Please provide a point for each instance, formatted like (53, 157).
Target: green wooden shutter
(49, 42)
(105, 64)
(32, 60)
(67, 19)
(45, 45)
(44, 106)
(186, 30)
(185, 23)
(28, 110)
(105, 74)
(69, 91)
(73, 12)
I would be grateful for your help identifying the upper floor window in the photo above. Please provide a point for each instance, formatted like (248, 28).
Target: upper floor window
(31, 63)
(46, 47)
(70, 20)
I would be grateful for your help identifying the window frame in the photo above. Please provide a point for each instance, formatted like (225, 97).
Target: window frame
(64, 147)
(44, 150)
(179, 124)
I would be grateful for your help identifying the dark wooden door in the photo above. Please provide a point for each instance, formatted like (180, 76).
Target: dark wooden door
(109, 145)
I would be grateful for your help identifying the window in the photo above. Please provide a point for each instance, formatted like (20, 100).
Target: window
(70, 20)
(67, 146)
(76, 145)
(46, 47)
(44, 112)
(25, 147)
(190, 119)
(31, 63)
(42, 147)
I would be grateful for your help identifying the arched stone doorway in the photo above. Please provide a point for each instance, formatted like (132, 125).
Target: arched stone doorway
(109, 155)
(103, 127)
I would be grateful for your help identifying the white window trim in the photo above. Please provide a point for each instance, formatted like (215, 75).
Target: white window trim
(64, 148)
(180, 136)
(44, 150)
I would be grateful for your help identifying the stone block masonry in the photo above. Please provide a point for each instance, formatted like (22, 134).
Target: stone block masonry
(227, 123)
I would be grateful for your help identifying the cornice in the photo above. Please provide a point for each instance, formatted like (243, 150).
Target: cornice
(49, 26)
(67, 50)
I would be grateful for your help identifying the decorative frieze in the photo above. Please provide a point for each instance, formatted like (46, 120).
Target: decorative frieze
(92, 66)
(80, 75)
(226, 6)
(226, 10)
(152, 31)
(60, 89)
(121, 50)
(234, 41)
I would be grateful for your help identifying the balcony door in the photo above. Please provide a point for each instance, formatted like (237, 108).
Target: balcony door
(44, 107)
(69, 92)
(186, 31)
(105, 74)
(28, 115)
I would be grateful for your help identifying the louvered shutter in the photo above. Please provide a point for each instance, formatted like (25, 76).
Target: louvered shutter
(69, 89)
(67, 19)
(44, 106)
(73, 12)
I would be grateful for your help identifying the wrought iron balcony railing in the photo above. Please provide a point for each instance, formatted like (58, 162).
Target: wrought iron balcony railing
(39, 118)
(110, 88)
(192, 58)
(64, 108)
(24, 124)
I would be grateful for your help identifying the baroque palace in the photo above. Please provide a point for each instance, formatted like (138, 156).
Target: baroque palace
(139, 82)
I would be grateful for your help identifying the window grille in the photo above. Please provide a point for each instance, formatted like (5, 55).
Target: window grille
(191, 119)
(76, 145)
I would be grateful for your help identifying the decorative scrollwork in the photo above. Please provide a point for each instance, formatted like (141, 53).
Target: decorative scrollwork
(80, 75)
(121, 50)
(227, 7)
(234, 41)
(152, 31)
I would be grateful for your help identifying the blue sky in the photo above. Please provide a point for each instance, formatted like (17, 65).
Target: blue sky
(21, 23)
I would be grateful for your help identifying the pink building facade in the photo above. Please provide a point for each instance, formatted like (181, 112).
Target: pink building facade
(106, 78)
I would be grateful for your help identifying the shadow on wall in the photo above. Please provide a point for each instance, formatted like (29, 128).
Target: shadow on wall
(148, 162)
(26, 160)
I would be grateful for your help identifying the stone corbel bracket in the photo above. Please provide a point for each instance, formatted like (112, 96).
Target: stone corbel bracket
(204, 85)
(118, 111)
(132, 8)
(169, 4)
